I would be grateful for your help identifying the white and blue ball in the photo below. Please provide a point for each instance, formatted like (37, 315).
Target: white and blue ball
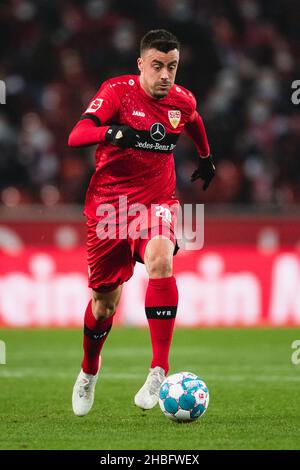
(183, 397)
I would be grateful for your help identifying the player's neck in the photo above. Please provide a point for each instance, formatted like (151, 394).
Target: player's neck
(146, 91)
(144, 87)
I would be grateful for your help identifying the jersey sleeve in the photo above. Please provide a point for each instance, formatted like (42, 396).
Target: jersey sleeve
(196, 131)
(195, 128)
(193, 108)
(104, 106)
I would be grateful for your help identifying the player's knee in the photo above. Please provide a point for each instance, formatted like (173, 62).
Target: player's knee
(103, 309)
(159, 266)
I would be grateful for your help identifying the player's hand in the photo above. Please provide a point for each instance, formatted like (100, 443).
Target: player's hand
(122, 136)
(206, 171)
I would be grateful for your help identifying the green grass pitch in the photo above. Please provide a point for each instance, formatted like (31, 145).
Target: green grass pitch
(254, 388)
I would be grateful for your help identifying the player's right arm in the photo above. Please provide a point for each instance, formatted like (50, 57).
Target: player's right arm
(93, 126)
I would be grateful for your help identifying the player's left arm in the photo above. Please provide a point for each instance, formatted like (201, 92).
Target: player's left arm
(206, 168)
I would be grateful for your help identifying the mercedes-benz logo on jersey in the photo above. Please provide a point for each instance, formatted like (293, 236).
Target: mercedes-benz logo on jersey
(157, 131)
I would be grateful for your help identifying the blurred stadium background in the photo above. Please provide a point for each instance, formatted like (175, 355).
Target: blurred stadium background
(240, 58)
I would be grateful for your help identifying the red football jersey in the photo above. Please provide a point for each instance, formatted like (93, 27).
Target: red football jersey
(145, 173)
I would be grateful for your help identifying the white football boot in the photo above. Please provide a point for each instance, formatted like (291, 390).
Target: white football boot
(83, 393)
(147, 397)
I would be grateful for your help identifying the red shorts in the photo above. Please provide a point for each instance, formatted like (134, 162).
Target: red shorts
(111, 260)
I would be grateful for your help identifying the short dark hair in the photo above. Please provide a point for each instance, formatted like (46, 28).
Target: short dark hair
(159, 39)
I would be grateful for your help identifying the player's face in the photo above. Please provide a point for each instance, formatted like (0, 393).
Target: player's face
(158, 71)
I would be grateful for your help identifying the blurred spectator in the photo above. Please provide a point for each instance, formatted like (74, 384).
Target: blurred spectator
(239, 57)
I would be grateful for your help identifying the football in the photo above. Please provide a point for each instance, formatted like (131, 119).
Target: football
(183, 397)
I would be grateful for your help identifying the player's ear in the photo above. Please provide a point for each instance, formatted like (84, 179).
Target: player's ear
(140, 64)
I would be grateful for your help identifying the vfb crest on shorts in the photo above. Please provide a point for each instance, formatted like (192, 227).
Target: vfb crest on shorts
(174, 117)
